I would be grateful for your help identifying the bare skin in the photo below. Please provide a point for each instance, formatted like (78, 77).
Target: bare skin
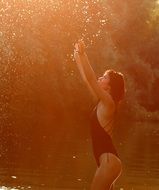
(107, 173)
(110, 165)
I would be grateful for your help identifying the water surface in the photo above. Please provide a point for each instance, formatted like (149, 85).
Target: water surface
(66, 162)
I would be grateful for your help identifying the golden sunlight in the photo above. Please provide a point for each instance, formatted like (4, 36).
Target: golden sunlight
(155, 13)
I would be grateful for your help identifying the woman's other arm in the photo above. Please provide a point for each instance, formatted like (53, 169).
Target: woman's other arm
(89, 74)
(80, 68)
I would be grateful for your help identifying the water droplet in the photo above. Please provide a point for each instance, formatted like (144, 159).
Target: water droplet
(14, 177)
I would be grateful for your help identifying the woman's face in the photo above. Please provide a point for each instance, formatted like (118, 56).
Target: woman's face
(104, 81)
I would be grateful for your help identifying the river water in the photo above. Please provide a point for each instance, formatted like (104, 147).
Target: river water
(68, 163)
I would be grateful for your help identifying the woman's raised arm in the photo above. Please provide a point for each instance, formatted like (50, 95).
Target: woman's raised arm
(78, 60)
(89, 75)
(83, 61)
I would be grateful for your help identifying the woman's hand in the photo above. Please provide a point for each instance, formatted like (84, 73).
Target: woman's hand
(80, 47)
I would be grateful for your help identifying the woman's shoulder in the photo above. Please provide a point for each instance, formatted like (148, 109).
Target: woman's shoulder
(106, 110)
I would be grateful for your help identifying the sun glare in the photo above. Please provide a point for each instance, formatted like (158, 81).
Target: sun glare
(6, 188)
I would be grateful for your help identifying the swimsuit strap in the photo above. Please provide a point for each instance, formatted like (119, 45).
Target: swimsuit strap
(110, 131)
(110, 121)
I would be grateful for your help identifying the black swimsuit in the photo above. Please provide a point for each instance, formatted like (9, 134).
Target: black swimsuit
(101, 140)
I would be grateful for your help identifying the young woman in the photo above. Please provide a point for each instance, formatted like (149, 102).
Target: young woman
(108, 90)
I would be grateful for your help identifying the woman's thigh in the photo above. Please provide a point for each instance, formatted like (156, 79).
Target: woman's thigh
(107, 173)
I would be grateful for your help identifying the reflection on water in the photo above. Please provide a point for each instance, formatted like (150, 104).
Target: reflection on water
(7, 188)
(68, 162)
(139, 153)
(10, 188)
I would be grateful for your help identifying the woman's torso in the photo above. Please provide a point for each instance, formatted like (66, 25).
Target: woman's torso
(101, 138)
(105, 117)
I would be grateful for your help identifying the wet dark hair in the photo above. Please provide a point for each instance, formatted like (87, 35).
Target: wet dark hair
(117, 85)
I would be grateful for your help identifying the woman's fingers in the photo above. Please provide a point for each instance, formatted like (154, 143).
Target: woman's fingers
(76, 56)
(80, 46)
(76, 47)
